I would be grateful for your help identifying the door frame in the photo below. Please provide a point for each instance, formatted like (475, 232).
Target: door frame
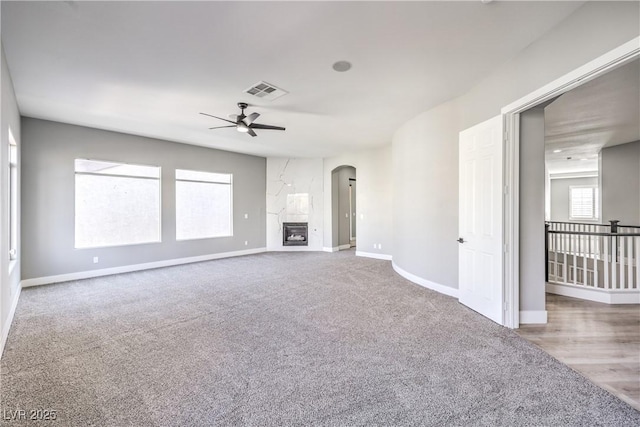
(511, 167)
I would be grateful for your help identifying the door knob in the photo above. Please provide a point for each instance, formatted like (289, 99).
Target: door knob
(461, 240)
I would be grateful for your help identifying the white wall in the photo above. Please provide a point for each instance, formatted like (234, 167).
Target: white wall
(425, 149)
(291, 176)
(373, 200)
(9, 270)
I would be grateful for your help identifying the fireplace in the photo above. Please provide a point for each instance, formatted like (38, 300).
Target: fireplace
(295, 234)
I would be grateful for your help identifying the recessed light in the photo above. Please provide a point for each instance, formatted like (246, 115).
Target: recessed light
(557, 151)
(342, 66)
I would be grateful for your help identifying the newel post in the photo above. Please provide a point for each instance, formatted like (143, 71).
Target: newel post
(546, 251)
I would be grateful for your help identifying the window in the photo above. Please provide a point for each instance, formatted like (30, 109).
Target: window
(203, 205)
(13, 197)
(116, 204)
(583, 202)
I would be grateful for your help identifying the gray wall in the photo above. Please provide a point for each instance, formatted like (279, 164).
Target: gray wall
(621, 183)
(425, 149)
(532, 177)
(560, 196)
(425, 196)
(9, 271)
(49, 150)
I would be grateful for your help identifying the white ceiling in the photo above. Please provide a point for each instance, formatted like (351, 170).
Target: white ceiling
(149, 68)
(601, 113)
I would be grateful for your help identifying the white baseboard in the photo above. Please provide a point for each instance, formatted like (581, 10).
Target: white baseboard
(344, 247)
(425, 283)
(533, 317)
(134, 267)
(336, 249)
(373, 255)
(631, 296)
(9, 320)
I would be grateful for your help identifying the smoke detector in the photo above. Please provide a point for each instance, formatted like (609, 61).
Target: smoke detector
(266, 91)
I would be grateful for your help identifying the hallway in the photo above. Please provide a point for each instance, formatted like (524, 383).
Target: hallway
(600, 341)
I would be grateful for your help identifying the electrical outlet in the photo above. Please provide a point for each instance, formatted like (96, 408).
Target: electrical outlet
(246, 216)
(95, 259)
(246, 242)
(375, 246)
(379, 245)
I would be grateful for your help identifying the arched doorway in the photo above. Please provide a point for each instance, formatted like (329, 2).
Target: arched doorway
(343, 207)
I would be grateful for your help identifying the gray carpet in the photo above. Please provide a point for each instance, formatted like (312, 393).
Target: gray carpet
(281, 339)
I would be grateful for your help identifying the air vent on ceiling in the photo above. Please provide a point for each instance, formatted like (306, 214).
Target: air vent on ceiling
(266, 91)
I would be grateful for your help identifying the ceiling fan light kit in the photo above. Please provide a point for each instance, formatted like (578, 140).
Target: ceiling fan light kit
(244, 123)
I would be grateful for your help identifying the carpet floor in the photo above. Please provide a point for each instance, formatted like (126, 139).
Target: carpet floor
(295, 338)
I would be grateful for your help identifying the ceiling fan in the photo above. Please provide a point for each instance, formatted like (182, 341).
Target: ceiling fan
(244, 123)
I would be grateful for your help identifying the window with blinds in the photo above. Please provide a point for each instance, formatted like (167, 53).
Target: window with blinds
(583, 203)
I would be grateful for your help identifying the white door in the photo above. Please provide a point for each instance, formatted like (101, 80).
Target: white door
(480, 219)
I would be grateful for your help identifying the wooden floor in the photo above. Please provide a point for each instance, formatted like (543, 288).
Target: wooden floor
(600, 341)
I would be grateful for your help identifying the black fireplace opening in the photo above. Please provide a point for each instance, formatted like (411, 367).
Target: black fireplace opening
(295, 234)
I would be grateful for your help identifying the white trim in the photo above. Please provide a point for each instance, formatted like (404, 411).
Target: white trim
(589, 71)
(571, 175)
(373, 255)
(616, 57)
(631, 296)
(344, 247)
(325, 249)
(533, 317)
(134, 267)
(9, 320)
(425, 283)
(511, 224)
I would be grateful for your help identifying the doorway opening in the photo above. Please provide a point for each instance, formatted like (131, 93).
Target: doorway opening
(513, 261)
(343, 207)
(571, 252)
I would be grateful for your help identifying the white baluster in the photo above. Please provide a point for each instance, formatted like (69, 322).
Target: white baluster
(629, 240)
(606, 262)
(637, 242)
(621, 261)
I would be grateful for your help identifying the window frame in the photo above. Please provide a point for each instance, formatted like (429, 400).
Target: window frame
(595, 203)
(75, 213)
(230, 184)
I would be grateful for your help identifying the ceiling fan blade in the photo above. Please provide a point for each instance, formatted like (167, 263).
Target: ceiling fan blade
(216, 117)
(220, 127)
(251, 132)
(252, 118)
(259, 126)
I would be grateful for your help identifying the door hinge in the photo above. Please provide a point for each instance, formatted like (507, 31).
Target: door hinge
(505, 189)
(505, 248)
(505, 306)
